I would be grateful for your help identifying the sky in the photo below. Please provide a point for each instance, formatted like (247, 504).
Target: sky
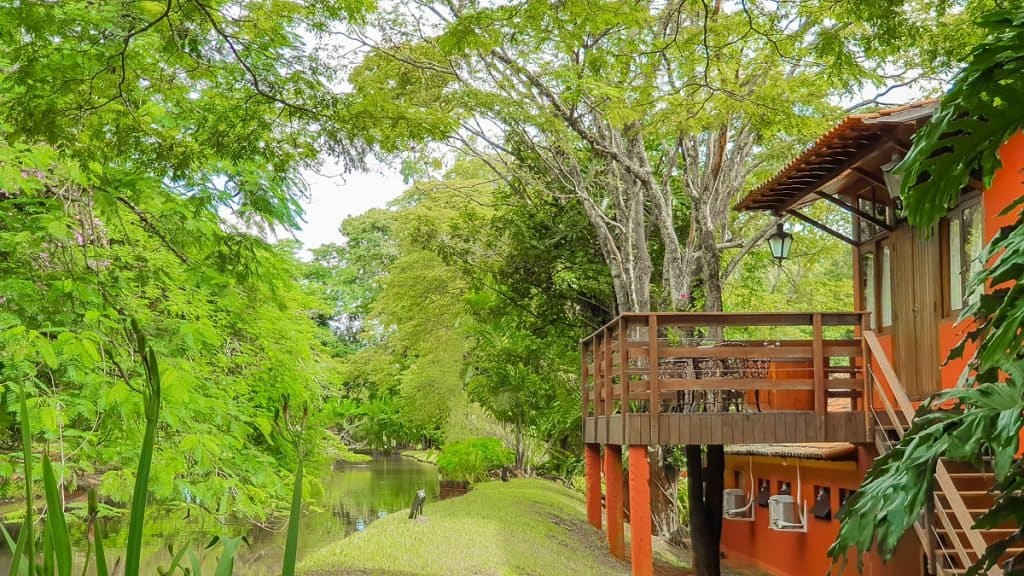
(334, 197)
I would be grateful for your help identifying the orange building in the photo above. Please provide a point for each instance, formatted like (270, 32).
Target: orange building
(803, 418)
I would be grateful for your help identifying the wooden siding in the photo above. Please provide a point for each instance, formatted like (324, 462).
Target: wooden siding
(725, 428)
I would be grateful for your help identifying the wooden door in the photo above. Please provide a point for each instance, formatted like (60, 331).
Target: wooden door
(915, 277)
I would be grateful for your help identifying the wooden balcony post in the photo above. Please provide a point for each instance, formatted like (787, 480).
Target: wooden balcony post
(820, 393)
(641, 557)
(869, 379)
(592, 468)
(606, 351)
(585, 386)
(613, 504)
(652, 377)
(624, 378)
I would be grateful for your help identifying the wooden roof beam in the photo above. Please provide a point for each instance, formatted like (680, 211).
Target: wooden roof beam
(833, 174)
(807, 219)
(867, 176)
(853, 210)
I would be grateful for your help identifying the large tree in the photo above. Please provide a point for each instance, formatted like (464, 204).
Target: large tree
(648, 118)
(143, 145)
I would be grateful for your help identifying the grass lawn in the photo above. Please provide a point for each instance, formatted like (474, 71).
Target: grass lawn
(524, 527)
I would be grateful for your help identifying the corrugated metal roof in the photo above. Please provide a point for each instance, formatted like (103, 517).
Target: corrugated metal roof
(830, 153)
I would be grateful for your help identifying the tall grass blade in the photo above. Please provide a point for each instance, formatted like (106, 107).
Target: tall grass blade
(226, 564)
(26, 445)
(47, 553)
(151, 401)
(291, 547)
(56, 523)
(176, 561)
(197, 566)
(97, 534)
(18, 549)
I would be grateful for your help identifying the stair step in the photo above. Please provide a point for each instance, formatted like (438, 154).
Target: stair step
(964, 467)
(977, 498)
(973, 481)
(990, 536)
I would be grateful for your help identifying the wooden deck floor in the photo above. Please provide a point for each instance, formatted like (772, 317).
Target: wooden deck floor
(724, 428)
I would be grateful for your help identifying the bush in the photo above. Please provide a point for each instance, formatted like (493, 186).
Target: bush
(472, 460)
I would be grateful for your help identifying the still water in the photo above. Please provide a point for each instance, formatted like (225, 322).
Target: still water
(354, 495)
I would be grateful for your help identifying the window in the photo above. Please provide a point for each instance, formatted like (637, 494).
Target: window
(867, 287)
(844, 498)
(763, 492)
(822, 503)
(963, 246)
(785, 488)
(886, 295)
(875, 203)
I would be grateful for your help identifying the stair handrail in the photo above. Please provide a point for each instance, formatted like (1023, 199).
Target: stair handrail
(945, 483)
(895, 387)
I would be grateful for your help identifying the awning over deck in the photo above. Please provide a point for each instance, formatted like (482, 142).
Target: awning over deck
(847, 147)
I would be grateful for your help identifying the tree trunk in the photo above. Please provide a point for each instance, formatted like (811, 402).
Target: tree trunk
(705, 483)
(664, 493)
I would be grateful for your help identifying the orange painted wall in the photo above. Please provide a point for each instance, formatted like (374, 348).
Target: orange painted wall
(1007, 186)
(800, 554)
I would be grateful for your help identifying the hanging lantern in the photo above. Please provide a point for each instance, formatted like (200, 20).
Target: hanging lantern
(894, 183)
(780, 242)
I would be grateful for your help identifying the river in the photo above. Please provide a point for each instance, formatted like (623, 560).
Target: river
(354, 495)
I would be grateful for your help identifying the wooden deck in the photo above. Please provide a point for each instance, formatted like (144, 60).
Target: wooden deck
(722, 378)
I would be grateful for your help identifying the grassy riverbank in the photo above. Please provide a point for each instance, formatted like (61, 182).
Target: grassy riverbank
(522, 527)
(425, 456)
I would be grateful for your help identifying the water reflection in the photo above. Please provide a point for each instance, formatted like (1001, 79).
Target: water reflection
(354, 495)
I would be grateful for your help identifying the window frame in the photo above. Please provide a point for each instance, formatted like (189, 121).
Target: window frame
(875, 247)
(884, 245)
(972, 199)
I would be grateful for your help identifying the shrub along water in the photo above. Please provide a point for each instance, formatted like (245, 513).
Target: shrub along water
(57, 552)
(472, 460)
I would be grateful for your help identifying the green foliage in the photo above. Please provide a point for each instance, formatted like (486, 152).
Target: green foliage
(473, 460)
(979, 113)
(145, 149)
(58, 554)
(983, 415)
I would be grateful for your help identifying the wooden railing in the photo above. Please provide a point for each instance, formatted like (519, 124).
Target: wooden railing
(962, 543)
(658, 364)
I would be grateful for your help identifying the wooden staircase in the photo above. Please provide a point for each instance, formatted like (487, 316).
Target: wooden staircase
(962, 492)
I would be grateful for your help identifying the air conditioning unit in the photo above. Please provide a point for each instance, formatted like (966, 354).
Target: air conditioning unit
(733, 499)
(734, 503)
(782, 513)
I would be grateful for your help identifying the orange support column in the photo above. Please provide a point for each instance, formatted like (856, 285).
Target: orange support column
(613, 500)
(641, 555)
(592, 468)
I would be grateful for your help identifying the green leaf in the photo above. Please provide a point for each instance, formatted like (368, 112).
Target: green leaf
(226, 564)
(17, 549)
(26, 447)
(294, 521)
(96, 530)
(56, 523)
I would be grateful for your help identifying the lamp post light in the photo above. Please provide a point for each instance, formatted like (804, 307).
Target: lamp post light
(894, 182)
(779, 243)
